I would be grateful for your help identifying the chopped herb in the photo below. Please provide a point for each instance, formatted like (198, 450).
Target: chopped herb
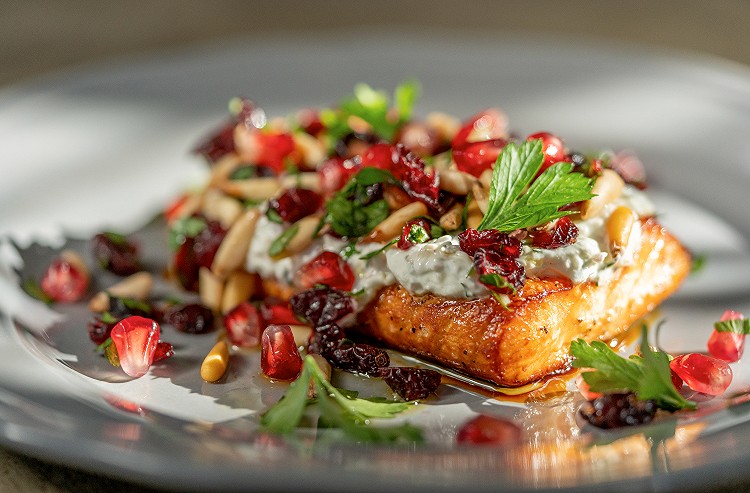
(33, 289)
(103, 346)
(108, 318)
(280, 243)
(244, 172)
(517, 200)
(436, 231)
(184, 228)
(116, 238)
(418, 234)
(349, 250)
(738, 326)
(699, 263)
(274, 216)
(338, 408)
(377, 252)
(351, 212)
(647, 375)
(497, 280)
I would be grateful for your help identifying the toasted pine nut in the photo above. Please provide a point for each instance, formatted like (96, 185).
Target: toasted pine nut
(305, 230)
(391, 226)
(619, 227)
(451, 220)
(222, 168)
(310, 181)
(474, 215)
(74, 258)
(220, 207)
(455, 181)
(325, 367)
(255, 189)
(137, 286)
(481, 198)
(233, 249)
(239, 287)
(216, 362)
(486, 178)
(210, 289)
(311, 150)
(301, 334)
(607, 188)
(246, 143)
(395, 197)
(445, 125)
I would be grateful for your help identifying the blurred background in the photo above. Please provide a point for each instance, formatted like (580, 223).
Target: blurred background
(43, 37)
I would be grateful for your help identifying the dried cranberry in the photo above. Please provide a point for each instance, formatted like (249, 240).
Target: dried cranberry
(416, 231)
(327, 268)
(116, 254)
(359, 358)
(325, 339)
(99, 330)
(296, 203)
(164, 350)
(244, 325)
(488, 430)
(321, 305)
(552, 147)
(186, 265)
(335, 172)
(207, 243)
(277, 312)
(472, 240)
(196, 252)
(411, 383)
(218, 144)
(193, 318)
(703, 373)
(616, 410)
(499, 273)
(279, 357)
(555, 234)
(476, 157)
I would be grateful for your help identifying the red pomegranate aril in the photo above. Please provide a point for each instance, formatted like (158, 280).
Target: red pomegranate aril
(552, 147)
(309, 121)
(336, 172)
(66, 279)
(489, 124)
(676, 380)
(164, 350)
(702, 373)
(274, 150)
(416, 231)
(296, 203)
(277, 312)
(727, 346)
(489, 430)
(472, 240)
(476, 157)
(244, 325)
(136, 339)
(279, 357)
(555, 234)
(328, 268)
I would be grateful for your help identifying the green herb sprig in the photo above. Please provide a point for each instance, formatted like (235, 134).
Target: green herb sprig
(351, 212)
(518, 201)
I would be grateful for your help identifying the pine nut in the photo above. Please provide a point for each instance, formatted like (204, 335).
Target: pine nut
(305, 234)
(474, 215)
(221, 208)
(136, 286)
(455, 181)
(74, 258)
(255, 189)
(619, 226)
(210, 289)
(486, 178)
(240, 286)
(391, 226)
(222, 169)
(301, 334)
(233, 249)
(607, 188)
(451, 220)
(311, 150)
(308, 180)
(481, 198)
(445, 125)
(395, 197)
(216, 362)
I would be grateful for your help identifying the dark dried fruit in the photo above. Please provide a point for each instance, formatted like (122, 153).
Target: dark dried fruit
(99, 330)
(616, 410)
(163, 351)
(325, 339)
(359, 358)
(218, 144)
(193, 318)
(115, 253)
(411, 383)
(321, 305)
(500, 274)
(124, 307)
(555, 234)
(472, 240)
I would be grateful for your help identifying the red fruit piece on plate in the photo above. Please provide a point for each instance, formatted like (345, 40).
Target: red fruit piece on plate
(486, 125)
(244, 325)
(472, 240)
(328, 268)
(555, 234)
(136, 339)
(499, 273)
(476, 157)
(66, 279)
(277, 312)
(727, 346)
(335, 172)
(489, 430)
(296, 203)
(279, 356)
(164, 350)
(702, 373)
(413, 232)
(552, 147)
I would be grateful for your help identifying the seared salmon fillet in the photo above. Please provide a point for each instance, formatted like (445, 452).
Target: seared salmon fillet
(530, 339)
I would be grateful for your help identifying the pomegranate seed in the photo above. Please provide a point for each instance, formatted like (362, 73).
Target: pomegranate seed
(476, 157)
(321, 305)
(327, 268)
(416, 231)
(335, 172)
(274, 150)
(616, 410)
(555, 234)
(472, 240)
(192, 318)
(489, 263)
(186, 266)
(164, 350)
(727, 346)
(244, 325)
(702, 373)
(489, 430)
(116, 254)
(279, 357)
(309, 121)
(552, 147)
(489, 124)
(66, 279)
(136, 339)
(411, 383)
(277, 312)
(676, 380)
(296, 203)
(584, 389)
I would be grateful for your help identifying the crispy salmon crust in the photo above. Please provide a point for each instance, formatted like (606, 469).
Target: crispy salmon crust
(517, 346)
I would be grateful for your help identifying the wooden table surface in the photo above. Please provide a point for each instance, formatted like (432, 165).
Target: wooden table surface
(42, 36)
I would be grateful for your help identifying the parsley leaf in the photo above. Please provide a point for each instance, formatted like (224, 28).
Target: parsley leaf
(338, 409)
(186, 227)
(518, 201)
(648, 375)
(278, 245)
(351, 212)
(738, 326)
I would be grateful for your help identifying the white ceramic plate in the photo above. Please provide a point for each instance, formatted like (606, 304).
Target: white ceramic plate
(107, 147)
